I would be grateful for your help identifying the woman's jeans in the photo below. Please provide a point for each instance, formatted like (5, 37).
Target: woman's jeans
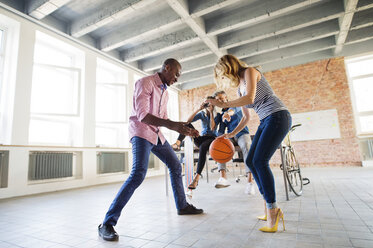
(271, 131)
(141, 149)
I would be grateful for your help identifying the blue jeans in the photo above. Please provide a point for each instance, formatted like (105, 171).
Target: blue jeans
(271, 131)
(141, 150)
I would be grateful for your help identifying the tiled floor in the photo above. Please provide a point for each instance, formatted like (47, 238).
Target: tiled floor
(336, 210)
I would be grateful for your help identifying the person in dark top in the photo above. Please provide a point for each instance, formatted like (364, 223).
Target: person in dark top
(206, 114)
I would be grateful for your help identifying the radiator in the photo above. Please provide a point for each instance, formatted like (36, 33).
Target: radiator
(111, 162)
(50, 165)
(4, 165)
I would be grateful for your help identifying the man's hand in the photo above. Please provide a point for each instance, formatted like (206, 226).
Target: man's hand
(181, 127)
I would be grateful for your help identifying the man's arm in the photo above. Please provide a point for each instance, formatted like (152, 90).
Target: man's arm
(179, 127)
(143, 91)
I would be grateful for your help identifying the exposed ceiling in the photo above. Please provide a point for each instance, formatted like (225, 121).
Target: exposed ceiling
(272, 34)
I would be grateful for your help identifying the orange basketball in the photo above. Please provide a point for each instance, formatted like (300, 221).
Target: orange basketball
(221, 150)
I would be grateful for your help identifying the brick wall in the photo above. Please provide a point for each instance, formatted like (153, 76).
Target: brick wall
(309, 87)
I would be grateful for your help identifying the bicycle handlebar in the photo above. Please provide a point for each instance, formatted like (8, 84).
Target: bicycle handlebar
(293, 127)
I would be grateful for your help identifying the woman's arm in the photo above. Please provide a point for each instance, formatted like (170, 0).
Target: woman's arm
(212, 120)
(191, 117)
(244, 121)
(251, 76)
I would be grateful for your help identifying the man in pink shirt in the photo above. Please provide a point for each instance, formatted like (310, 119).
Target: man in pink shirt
(148, 114)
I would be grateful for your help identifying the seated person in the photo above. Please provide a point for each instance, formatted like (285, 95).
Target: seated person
(205, 113)
(229, 119)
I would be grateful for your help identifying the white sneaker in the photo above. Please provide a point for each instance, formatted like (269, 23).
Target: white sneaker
(222, 183)
(250, 189)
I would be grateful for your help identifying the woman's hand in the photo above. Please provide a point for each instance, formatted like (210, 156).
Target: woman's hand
(203, 105)
(215, 102)
(226, 117)
(226, 136)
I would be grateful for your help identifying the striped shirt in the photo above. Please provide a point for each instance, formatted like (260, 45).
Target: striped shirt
(266, 102)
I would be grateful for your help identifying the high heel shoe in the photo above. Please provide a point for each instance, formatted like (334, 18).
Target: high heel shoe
(280, 215)
(193, 185)
(262, 217)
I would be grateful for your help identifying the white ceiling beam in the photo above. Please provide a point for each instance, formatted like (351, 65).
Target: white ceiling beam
(297, 50)
(362, 19)
(354, 49)
(257, 12)
(364, 4)
(106, 15)
(199, 8)
(305, 48)
(359, 35)
(315, 32)
(185, 54)
(297, 60)
(345, 23)
(41, 8)
(202, 73)
(196, 83)
(314, 15)
(199, 63)
(196, 24)
(166, 43)
(154, 25)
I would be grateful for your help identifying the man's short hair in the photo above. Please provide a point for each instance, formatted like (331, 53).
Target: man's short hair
(170, 62)
(218, 93)
(210, 97)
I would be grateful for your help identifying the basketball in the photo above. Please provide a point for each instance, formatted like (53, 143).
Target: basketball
(221, 150)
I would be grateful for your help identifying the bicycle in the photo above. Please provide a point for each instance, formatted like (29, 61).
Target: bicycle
(291, 170)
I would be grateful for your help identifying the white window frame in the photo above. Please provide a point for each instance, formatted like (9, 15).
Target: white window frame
(114, 124)
(73, 118)
(79, 72)
(10, 43)
(356, 113)
(2, 69)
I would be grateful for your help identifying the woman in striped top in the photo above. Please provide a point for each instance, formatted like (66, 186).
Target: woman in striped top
(255, 92)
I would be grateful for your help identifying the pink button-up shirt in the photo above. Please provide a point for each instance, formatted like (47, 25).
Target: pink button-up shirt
(150, 97)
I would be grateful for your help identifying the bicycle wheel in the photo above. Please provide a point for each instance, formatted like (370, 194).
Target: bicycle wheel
(292, 172)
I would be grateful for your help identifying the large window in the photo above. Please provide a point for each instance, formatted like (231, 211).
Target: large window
(360, 72)
(9, 39)
(2, 59)
(111, 105)
(56, 93)
(2, 55)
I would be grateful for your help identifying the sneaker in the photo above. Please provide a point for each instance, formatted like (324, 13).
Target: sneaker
(190, 209)
(250, 189)
(107, 232)
(222, 183)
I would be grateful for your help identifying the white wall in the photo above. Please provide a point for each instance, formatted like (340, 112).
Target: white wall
(19, 149)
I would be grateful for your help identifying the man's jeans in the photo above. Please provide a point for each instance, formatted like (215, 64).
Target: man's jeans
(244, 142)
(141, 150)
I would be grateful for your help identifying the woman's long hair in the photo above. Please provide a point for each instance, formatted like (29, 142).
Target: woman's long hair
(228, 67)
